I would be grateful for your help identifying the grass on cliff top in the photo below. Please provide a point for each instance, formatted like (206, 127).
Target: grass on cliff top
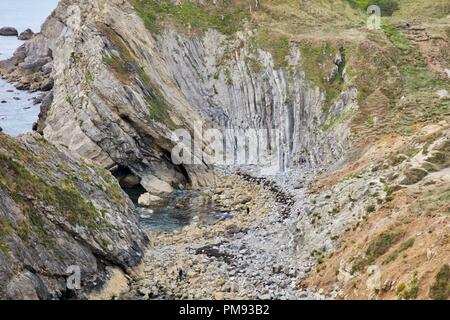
(423, 8)
(276, 44)
(388, 7)
(317, 62)
(223, 17)
(418, 84)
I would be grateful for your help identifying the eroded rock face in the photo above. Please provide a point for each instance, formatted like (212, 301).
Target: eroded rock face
(119, 92)
(29, 66)
(56, 212)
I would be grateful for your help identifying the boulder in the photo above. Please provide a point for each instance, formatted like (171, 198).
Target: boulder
(9, 32)
(47, 85)
(443, 94)
(155, 186)
(148, 200)
(26, 35)
(129, 181)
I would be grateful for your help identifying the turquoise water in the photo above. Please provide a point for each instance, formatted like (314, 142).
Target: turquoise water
(179, 209)
(17, 112)
(174, 214)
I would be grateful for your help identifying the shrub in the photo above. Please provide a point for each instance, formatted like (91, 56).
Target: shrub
(410, 292)
(441, 287)
(381, 244)
(388, 7)
(404, 246)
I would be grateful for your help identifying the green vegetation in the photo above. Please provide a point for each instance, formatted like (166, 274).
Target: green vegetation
(124, 65)
(22, 185)
(276, 44)
(360, 4)
(253, 64)
(4, 248)
(407, 244)
(5, 227)
(229, 80)
(381, 244)
(404, 246)
(419, 84)
(410, 292)
(397, 37)
(441, 287)
(126, 68)
(388, 7)
(69, 100)
(417, 77)
(377, 247)
(157, 105)
(225, 17)
(318, 62)
(88, 75)
(104, 243)
(119, 67)
(337, 120)
(154, 108)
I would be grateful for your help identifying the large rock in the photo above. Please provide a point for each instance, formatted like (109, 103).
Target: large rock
(56, 212)
(130, 181)
(156, 186)
(147, 200)
(9, 32)
(26, 35)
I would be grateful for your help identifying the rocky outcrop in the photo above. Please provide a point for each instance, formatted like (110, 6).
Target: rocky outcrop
(9, 32)
(118, 97)
(26, 35)
(59, 213)
(29, 67)
(121, 85)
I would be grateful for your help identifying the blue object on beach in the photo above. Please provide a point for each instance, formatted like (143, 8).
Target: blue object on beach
(223, 215)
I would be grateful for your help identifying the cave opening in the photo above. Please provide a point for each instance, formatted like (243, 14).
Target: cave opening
(129, 182)
(171, 211)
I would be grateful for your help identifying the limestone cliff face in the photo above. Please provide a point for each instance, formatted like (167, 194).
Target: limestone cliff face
(55, 212)
(360, 103)
(120, 90)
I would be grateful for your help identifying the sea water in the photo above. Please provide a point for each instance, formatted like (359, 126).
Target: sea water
(17, 112)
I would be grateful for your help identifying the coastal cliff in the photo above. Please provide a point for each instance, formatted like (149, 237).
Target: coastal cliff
(362, 117)
(122, 89)
(55, 212)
